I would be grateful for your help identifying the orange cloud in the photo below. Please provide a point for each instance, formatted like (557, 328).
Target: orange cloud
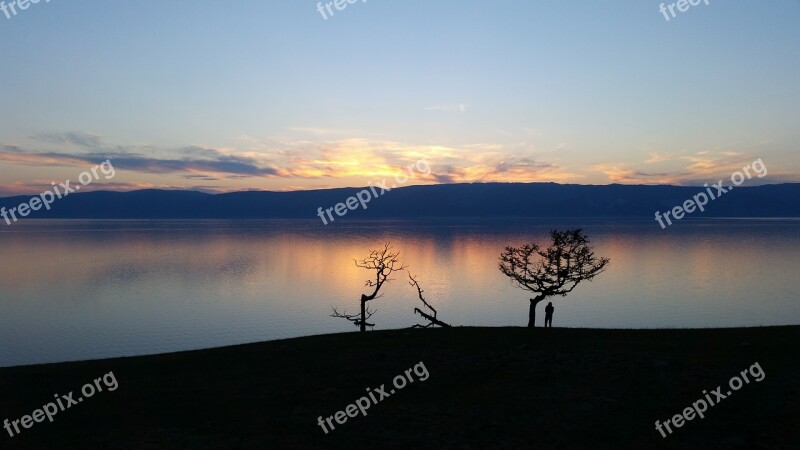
(697, 168)
(318, 165)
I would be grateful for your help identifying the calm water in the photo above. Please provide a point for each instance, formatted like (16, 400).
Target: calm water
(91, 289)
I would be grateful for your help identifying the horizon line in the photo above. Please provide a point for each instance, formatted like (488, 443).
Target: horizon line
(211, 192)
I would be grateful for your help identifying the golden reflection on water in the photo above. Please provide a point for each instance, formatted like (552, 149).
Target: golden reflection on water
(90, 289)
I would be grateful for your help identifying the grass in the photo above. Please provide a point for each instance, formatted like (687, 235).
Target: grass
(488, 388)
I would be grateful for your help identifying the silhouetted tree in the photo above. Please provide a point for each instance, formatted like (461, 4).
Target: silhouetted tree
(555, 270)
(383, 262)
(432, 320)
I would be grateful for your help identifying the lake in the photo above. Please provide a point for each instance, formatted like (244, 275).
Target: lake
(74, 289)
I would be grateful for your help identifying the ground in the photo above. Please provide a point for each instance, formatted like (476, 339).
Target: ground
(488, 388)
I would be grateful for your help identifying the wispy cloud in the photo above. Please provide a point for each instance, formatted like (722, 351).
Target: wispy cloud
(656, 157)
(620, 173)
(37, 186)
(77, 138)
(459, 107)
(316, 131)
(686, 170)
(198, 160)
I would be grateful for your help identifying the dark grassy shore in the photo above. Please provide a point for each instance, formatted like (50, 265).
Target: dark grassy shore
(488, 388)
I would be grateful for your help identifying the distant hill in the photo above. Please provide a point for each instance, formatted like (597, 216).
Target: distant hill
(436, 201)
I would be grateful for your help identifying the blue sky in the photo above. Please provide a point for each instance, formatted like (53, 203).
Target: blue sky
(238, 95)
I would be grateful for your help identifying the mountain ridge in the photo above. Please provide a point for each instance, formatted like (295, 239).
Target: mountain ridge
(424, 201)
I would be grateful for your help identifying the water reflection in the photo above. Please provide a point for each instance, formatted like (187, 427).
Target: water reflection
(89, 289)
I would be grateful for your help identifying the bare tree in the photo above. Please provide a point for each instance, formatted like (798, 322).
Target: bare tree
(383, 262)
(556, 270)
(432, 320)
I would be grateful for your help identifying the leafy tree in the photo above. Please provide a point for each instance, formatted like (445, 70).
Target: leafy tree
(556, 270)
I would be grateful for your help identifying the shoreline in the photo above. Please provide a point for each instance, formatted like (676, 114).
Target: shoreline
(312, 336)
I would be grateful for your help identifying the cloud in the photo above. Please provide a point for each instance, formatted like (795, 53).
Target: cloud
(460, 107)
(234, 166)
(368, 159)
(200, 160)
(619, 173)
(32, 158)
(78, 138)
(38, 186)
(314, 131)
(504, 167)
(707, 163)
(656, 157)
(333, 163)
(200, 177)
(689, 170)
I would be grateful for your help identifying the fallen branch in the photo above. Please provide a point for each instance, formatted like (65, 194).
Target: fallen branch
(431, 318)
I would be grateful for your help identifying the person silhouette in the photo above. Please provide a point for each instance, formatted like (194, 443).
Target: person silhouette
(548, 315)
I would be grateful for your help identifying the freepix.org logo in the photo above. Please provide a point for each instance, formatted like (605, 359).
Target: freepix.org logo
(10, 8)
(680, 5)
(46, 198)
(340, 5)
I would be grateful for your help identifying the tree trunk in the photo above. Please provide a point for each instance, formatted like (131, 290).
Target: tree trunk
(532, 311)
(363, 313)
(532, 315)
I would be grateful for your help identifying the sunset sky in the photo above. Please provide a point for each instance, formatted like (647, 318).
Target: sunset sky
(223, 96)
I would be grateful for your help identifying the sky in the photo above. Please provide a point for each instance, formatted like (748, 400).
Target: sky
(270, 95)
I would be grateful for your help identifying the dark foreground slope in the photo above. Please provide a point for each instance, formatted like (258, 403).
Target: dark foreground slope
(488, 388)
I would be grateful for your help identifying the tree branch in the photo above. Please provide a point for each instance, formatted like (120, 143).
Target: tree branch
(355, 318)
(431, 318)
(556, 270)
